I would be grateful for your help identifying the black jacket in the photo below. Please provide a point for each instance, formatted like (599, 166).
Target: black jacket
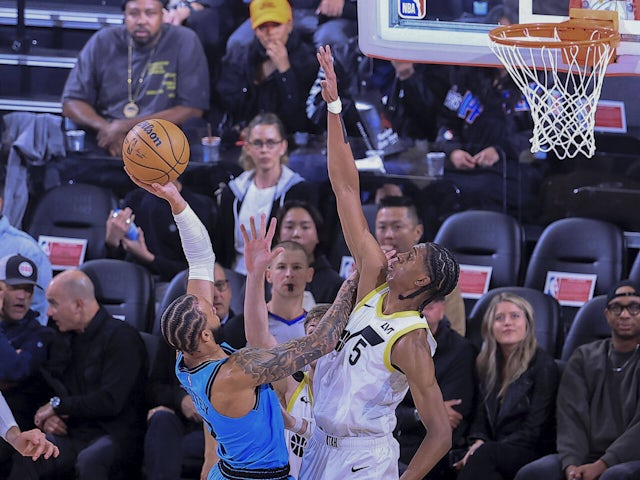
(326, 281)
(20, 379)
(526, 417)
(102, 386)
(454, 363)
(153, 216)
(284, 94)
(228, 209)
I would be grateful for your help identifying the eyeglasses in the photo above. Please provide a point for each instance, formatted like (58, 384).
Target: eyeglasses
(270, 144)
(617, 308)
(221, 285)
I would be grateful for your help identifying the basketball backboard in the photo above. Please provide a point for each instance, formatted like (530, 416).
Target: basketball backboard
(456, 31)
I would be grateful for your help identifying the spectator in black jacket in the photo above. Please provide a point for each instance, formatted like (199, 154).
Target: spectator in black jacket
(157, 245)
(273, 74)
(454, 361)
(514, 417)
(326, 22)
(263, 188)
(95, 417)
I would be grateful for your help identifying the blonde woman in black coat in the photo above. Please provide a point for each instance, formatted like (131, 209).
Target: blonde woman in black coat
(514, 420)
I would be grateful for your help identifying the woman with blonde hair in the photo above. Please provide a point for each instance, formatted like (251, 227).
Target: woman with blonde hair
(514, 420)
(263, 187)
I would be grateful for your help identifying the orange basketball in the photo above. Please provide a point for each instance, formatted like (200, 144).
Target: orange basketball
(155, 151)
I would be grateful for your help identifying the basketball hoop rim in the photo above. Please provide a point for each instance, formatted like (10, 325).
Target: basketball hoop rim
(514, 35)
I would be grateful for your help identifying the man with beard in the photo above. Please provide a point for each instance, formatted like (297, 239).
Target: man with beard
(599, 402)
(140, 70)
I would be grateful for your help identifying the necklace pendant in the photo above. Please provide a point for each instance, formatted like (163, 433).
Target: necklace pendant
(130, 110)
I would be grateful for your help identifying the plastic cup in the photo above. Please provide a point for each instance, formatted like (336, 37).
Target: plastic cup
(210, 149)
(435, 164)
(75, 140)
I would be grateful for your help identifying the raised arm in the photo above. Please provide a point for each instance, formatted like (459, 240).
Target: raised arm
(194, 237)
(258, 366)
(346, 185)
(258, 256)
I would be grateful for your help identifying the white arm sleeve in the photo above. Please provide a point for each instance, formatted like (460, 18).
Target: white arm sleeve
(6, 418)
(196, 245)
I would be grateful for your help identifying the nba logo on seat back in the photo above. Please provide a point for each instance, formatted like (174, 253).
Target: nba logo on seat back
(415, 9)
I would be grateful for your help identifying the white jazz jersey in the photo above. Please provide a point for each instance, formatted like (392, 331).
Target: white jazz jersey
(300, 406)
(356, 388)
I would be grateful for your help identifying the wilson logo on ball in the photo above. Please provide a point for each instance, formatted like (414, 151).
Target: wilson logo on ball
(155, 150)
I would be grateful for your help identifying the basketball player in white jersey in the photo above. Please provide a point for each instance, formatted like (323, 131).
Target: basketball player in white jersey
(386, 346)
(295, 392)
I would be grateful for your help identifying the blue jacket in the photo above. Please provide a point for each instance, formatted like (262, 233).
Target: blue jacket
(14, 241)
(20, 380)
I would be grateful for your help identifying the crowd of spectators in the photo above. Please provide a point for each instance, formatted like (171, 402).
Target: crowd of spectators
(87, 380)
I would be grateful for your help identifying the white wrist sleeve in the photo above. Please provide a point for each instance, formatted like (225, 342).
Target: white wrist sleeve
(311, 426)
(196, 245)
(335, 106)
(6, 418)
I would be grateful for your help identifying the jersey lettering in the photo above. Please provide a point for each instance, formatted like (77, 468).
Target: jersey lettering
(387, 327)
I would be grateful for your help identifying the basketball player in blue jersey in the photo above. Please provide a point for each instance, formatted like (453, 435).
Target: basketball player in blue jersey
(386, 347)
(232, 389)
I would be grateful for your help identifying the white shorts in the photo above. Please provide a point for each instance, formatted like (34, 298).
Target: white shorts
(339, 458)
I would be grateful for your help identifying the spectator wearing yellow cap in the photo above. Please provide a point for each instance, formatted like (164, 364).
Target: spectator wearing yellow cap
(273, 74)
(321, 22)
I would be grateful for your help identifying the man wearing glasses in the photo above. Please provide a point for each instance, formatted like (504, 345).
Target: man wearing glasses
(599, 402)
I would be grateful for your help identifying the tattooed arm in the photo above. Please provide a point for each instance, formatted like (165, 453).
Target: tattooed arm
(259, 366)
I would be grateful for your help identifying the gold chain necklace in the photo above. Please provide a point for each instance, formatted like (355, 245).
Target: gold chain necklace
(131, 109)
(624, 365)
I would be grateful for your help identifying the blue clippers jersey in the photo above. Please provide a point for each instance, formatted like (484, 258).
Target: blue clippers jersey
(255, 441)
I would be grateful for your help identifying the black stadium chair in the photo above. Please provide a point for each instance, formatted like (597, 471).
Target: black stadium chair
(485, 238)
(589, 325)
(125, 289)
(578, 245)
(74, 210)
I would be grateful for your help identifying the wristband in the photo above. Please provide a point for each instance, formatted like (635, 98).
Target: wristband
(297, 426)
(335, 106)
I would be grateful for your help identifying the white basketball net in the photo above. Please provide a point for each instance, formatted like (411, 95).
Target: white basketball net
(563, 103)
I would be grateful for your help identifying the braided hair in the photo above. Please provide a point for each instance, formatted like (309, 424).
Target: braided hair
(444, 272)
(182, 322)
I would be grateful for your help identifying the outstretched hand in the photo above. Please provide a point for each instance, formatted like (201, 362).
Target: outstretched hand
(330, 83)
(34, 444)
(257, 246)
